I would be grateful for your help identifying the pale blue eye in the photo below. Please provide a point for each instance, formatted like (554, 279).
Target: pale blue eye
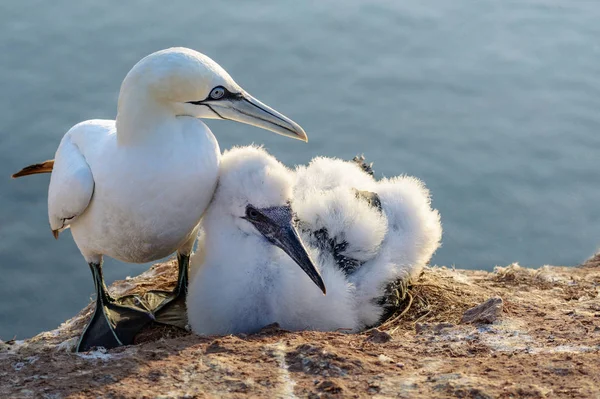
(217, 93)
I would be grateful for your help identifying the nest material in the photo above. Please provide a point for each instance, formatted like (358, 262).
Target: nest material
(434, 297)
(438, 295)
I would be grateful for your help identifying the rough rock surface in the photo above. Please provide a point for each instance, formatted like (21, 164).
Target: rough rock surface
(545, 344)
(487, 312)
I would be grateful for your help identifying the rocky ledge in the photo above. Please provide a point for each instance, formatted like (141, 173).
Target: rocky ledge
(515, 332)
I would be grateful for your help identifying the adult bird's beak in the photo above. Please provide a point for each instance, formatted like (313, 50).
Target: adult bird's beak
(277, 226)
(242, 107)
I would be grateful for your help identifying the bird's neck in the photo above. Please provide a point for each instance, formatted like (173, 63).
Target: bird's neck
(142, 119)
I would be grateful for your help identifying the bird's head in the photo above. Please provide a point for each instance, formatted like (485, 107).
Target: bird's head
(254, 191)
(187, 83)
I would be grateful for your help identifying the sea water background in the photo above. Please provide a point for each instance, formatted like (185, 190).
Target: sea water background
(495, 105)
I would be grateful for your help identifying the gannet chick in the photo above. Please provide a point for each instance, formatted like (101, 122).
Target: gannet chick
(376, 232)
(248, 236)
(136, 187)
(353, 236)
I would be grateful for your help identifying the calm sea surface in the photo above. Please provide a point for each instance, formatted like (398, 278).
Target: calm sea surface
(495, 105)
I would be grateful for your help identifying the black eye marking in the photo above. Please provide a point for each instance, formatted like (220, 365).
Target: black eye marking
(218, 93)
(252, 213)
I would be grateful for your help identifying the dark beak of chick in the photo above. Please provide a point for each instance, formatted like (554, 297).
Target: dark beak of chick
(276, 225)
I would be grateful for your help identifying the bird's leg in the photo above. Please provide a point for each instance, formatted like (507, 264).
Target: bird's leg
(111, 324)
(169, 307)
(183, 262)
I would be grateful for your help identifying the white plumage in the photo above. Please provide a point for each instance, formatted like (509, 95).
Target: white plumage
(357, 248)
(140, 210)
(136, 187)
(380, 246)
(237, 271)
(153, 171)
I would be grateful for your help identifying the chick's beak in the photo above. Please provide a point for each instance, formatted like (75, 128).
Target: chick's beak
(276, 225)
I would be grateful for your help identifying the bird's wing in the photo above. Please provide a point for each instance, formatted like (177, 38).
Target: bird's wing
(71, 186)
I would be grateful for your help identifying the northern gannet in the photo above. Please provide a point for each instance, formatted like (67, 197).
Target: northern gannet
(362, 234)
(135, 188)
(247, 238)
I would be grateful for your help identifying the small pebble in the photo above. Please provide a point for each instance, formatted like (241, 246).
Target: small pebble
(379, 337)
(385, 359)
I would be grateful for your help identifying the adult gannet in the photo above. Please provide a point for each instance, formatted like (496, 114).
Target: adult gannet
(135, 188)
(240, 261)
(361, 241)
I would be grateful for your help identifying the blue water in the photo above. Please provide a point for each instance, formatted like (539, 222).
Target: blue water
(495, 105)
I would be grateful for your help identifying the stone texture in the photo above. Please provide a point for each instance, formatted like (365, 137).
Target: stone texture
(487, 312)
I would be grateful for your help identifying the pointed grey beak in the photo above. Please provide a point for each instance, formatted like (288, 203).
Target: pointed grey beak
(242, 107)
(276, 225)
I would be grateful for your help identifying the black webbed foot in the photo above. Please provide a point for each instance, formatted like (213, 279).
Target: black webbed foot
(169, 307)
(114, 322)
(113, 325)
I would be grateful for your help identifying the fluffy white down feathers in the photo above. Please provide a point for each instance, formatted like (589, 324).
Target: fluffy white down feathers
(243, 283)
(393, 244)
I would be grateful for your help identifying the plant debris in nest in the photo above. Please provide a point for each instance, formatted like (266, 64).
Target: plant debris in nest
(435, 297)
(439, 295)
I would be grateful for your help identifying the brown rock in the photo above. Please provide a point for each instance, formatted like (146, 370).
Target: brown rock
(486, 313)
(215, 347)
(329, 386)
(270, 329)
(378, 337)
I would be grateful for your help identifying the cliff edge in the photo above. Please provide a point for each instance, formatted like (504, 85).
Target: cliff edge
(514, 332)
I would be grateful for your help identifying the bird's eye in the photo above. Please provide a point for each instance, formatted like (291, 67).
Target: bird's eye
(217, 93)
(252, 213)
